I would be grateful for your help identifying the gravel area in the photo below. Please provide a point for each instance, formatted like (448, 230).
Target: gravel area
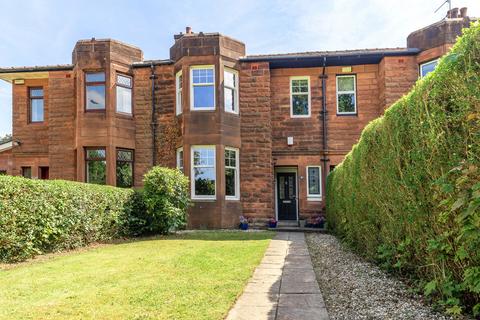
(355, 289)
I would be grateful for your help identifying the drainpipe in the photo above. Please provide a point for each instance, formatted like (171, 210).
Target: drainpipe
(324, 120)
(154, 118)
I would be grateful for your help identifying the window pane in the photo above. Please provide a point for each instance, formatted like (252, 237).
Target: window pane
(36, 106)
(27, 172)
(230, 158)
(202, 76)
(204, 181)
(95, 97)
(300, 105)
(203, 96)
(314, 181)
(96, 172)
(346, 102)
(428, 67)
(124, 155)
(230, 182)
(125, 81)
(124, 100)
(95, 77)
(300, 86)
(36, 92)
(124, 174)
(229, 79)
(179, 82)
(229, 99)
(96, 154)
(346, 83)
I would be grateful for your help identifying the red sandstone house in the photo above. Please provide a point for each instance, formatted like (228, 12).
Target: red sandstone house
(256, 134)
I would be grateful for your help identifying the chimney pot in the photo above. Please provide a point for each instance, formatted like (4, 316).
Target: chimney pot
(188, 30)
(463, 12)
(454, 13)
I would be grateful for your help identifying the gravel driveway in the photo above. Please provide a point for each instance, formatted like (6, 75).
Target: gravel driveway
(355, 289)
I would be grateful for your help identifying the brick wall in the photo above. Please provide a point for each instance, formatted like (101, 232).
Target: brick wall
(256, 133)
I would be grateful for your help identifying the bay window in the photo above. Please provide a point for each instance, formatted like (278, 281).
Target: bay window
(95, 91)
(96, 165)
(124, 94)
(230, 90)
(232, 188)
(179, 97)
(203, 172)
(124, 168)
(202, 88)
(180, 159)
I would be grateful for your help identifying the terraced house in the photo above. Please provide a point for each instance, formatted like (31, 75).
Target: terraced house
(256, 134)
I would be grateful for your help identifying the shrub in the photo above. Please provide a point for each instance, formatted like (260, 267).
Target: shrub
(166, 199)
(408, 194)
(38, 216)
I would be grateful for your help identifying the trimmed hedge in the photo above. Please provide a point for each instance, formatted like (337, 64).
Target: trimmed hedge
(38, 216)
(408, 194)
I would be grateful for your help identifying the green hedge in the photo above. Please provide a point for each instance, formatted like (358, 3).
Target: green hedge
(408, 194)
(38, 216)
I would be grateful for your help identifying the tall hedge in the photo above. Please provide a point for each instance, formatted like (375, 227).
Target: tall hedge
(408, 194)
(38, 216)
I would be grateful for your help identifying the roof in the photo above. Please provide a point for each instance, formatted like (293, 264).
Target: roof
(148, 63)
(329, 58)
(6, 146)
(58, 67)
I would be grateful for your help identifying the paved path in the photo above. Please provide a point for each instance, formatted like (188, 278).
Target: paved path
(283, 286)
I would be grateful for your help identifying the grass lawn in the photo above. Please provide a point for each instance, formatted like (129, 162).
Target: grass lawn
(189, 276)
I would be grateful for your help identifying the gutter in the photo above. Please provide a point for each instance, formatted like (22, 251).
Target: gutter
(324, 159)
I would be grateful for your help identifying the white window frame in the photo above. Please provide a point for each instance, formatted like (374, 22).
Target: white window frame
(235, 90)
(180, 157)
(237, 174)
(427, 63)
(125, 87)
(314, 197)
(296, 93)
(348, 92)
(178, 93)
(192, 85)
(192, 172)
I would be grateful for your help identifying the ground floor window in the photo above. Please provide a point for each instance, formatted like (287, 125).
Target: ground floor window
(3, 172)
(44, 173)
(96, 165)
(124, 168)
(203, 172)
(27, 172)
(231, 174)
(314, 185)
(180, 159)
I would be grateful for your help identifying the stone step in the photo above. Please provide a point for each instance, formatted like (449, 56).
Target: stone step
(298, 229)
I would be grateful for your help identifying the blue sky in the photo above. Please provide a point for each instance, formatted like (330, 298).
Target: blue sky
(41, 32)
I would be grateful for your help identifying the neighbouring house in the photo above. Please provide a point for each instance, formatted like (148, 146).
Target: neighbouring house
(256, 134)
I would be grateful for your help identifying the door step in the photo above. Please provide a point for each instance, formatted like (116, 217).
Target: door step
(287, 223)
(298, 229)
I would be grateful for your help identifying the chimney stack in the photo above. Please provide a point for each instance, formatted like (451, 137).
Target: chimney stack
(463, 12)
(454, 13)
(188, 30)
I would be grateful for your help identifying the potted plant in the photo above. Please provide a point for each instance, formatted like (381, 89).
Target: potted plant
(301, 222)
(318, 222)
(272, 223)
(243, 223)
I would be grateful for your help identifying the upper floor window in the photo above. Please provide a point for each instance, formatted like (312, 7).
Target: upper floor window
(180, 159)
(36, 112)
(202, 91)
(232, 186)
(95, 91)
(314, 187)
(96, 165)
(203, 172)
(124, 168)
(426, 68)
(300, 97)
(178, 85)
(124, 94)
(230, 90)
(346, 95)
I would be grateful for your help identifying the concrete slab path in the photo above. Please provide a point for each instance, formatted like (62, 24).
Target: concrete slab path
(283, 286)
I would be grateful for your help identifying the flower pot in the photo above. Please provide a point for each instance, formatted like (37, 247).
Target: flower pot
(244, 226)
(302, 223)
(272, 224)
